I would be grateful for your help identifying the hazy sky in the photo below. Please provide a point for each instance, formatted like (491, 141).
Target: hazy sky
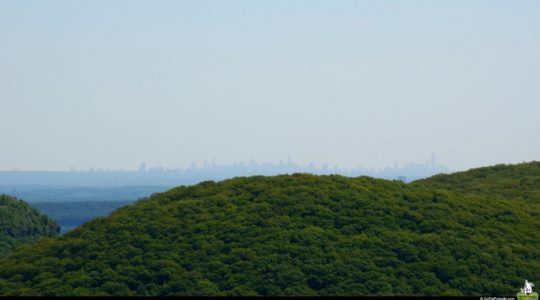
(111, 84)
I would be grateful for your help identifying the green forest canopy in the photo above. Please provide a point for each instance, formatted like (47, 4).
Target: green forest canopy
(471, 233)
(22, 224)
(506, 181)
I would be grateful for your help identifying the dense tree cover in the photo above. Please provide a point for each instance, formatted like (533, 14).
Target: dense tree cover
(22, 224)
(292, 235)
(507, 181)
(74, 213)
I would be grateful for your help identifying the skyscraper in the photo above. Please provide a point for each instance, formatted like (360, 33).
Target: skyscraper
(142, 168)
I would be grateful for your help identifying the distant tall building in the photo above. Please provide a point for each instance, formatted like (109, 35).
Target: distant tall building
(142, 168)
(433, 161)
(325, 167)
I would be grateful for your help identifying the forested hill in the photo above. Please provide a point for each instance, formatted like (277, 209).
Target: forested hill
(291, 235)
(22, 224)
(510, 181)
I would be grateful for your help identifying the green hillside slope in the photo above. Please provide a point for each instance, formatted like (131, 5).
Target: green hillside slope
(509, 181)
(22, 224)
(291, 235)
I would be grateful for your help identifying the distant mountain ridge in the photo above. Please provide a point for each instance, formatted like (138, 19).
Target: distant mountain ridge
(301, 234)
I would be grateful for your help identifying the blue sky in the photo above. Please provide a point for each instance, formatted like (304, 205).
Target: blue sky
(110, 84)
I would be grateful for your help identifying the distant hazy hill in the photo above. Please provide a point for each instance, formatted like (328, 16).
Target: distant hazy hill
(299, 235)
(71, 214)
(21, 224)
(40, 194)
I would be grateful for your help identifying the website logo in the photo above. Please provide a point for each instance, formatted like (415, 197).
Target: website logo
(526, 292)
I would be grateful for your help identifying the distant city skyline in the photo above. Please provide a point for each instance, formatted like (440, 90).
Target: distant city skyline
(317, 167)
(164, 176)
(213, 163)
(111, 84)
